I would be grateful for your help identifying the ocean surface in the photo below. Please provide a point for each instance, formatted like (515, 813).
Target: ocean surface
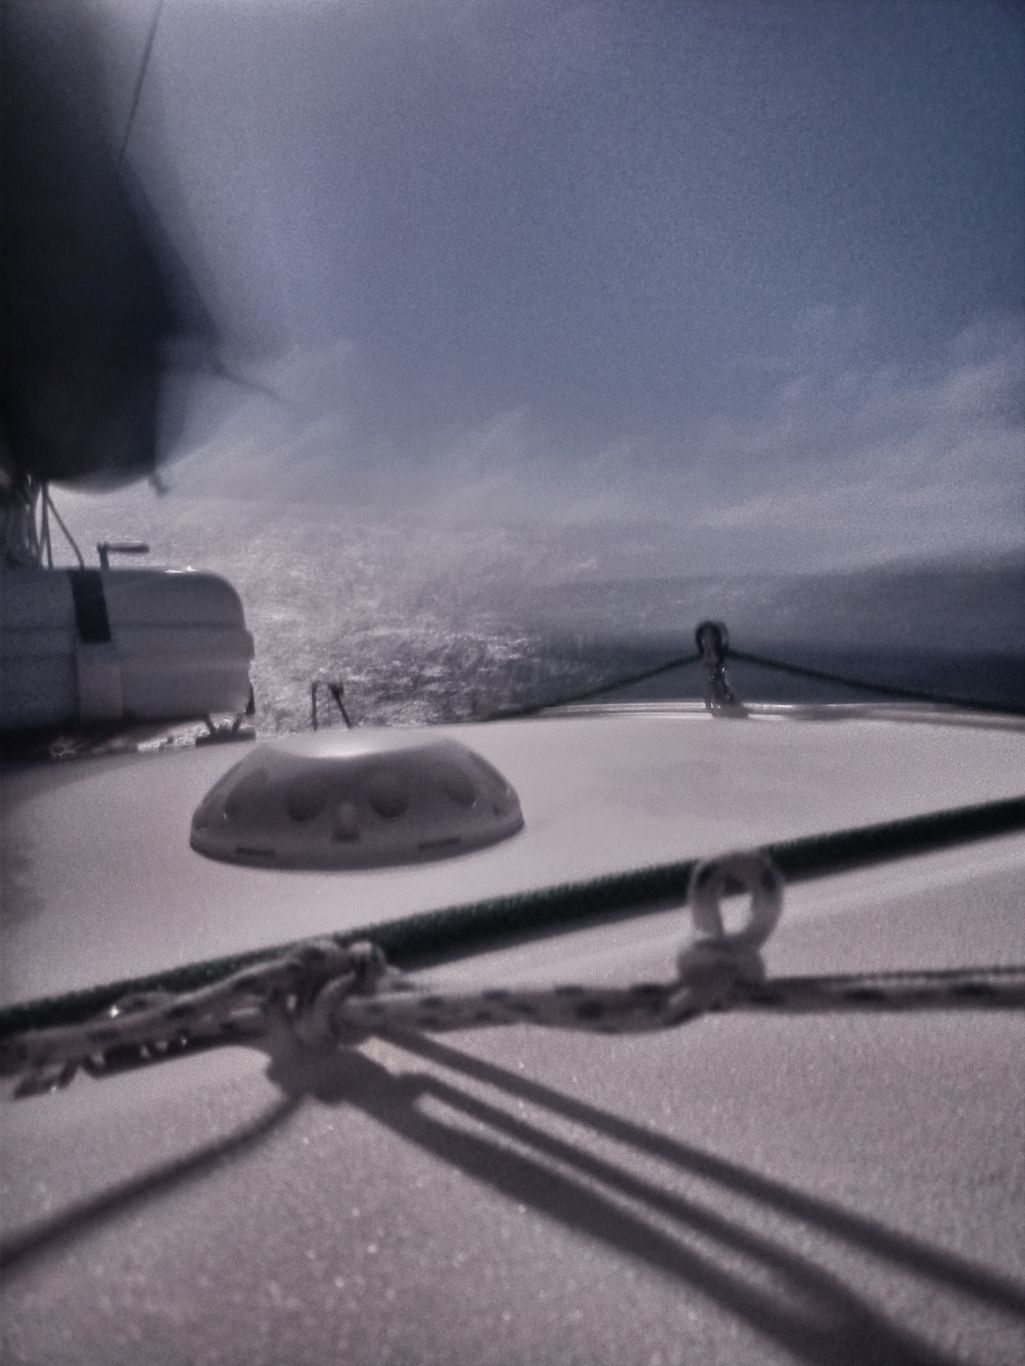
(429, 621)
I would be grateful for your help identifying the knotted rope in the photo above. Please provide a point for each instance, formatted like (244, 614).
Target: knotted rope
(330, 994)
(333, 994)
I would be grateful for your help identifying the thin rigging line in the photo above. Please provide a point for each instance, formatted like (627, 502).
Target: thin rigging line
(140, 79)
(49, 503)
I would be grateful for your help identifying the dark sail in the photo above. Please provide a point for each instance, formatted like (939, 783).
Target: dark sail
(87, 301)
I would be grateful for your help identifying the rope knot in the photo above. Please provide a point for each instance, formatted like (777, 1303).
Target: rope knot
(355, 970)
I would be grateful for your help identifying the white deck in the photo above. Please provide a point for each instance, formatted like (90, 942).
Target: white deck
(747, 1189)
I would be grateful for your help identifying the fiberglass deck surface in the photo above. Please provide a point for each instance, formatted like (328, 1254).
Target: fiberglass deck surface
(742, 1190)
(101, 847)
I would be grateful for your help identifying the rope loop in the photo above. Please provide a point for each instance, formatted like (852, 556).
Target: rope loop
(712, 639)
(756, 874)
(716, 961)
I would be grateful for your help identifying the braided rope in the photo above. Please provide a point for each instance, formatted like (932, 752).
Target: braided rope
(427, 936)
(329, 994)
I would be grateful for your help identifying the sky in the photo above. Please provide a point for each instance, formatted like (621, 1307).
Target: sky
(756, 267)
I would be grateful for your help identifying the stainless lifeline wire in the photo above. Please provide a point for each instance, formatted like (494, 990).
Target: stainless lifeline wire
(329, 994)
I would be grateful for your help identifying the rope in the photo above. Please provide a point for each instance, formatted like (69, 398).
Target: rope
(585, 694)
(714, 650)
(762, 661)
(992, 987)
(432, 936)
(886, 689)
(327, 995)
(351, 1004)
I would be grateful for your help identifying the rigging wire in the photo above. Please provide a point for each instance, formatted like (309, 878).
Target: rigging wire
(140, 80)
(31, 530)
(45, 543)
(49, 506)
(325, 994)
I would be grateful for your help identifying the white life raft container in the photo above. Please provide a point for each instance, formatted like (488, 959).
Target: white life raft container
(105, 645)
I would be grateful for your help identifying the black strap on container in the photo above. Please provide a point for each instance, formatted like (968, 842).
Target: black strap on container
(91, 618)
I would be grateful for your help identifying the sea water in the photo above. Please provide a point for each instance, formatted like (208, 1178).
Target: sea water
(423, 619)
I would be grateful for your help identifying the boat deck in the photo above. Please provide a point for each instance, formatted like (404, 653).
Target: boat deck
(746, 1188)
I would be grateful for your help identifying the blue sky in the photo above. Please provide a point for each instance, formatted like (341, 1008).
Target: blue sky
(758, 268)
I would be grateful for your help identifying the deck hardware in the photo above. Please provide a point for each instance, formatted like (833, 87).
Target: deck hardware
(335, 690)
(713, 641)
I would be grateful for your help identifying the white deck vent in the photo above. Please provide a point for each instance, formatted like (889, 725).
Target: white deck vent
(361, 799)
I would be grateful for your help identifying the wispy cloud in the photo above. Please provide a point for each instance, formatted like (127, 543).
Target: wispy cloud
(839, 464)
(885, 460)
